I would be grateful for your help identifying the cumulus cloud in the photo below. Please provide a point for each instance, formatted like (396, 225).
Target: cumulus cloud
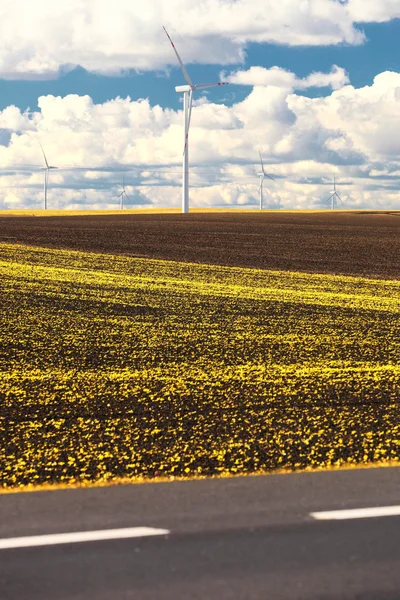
(12, 119)
(378, 11)
(278, 77)
(353, 133)
(39, 39)
(365, 118)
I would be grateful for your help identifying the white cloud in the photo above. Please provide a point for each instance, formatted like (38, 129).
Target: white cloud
(366, 118)
(39, 38)
(364, 11)
(11, 118)
(352, 133)
(336, 79)
(278, 77)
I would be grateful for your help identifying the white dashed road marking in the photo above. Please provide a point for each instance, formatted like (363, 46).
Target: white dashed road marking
(357, 513)
(80, 536)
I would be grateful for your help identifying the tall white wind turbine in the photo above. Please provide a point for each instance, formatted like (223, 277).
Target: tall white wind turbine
(187, 91)
(46, 170)
(262, 175)
(334, 195)
(123, 193)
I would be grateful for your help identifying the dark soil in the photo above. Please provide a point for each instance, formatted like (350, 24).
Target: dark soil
(351, 243)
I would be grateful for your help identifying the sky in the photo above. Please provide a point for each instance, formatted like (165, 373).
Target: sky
(313, 84)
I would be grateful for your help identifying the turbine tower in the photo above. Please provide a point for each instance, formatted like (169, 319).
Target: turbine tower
(262, 176)
(187, 91)
(120, 196)
(334, 195)
(46, 170)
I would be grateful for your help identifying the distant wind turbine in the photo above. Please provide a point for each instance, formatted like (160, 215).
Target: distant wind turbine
(334, 195)
(123, 193)
(262, 176)
(187, 91)
(46, 170)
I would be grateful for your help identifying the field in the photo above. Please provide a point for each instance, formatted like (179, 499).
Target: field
(349, 243)
(118, 366)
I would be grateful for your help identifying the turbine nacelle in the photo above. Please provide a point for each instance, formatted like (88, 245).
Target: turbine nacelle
(183, 88)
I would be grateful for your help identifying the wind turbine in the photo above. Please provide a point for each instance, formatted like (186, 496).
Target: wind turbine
(262, 176)
(122, 194)
(46, 170)
(334, 195)
(187, 91)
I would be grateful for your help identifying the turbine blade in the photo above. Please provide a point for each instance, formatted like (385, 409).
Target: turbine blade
(44, 156)
(185, 73)
(262, 164)
(203, 86)
(188, 121)
(262, 167)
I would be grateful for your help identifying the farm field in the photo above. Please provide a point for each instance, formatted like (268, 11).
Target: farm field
(365, 243)
(117, 366)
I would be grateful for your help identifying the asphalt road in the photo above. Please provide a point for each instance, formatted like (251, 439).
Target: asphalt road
(241, 538)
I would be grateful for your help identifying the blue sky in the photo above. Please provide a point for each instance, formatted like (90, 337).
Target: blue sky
(363, 62)
(311, 120)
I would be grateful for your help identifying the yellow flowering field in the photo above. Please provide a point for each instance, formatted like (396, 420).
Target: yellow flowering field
(114, 367)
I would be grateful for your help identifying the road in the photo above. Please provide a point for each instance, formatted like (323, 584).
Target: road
(241, 538)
